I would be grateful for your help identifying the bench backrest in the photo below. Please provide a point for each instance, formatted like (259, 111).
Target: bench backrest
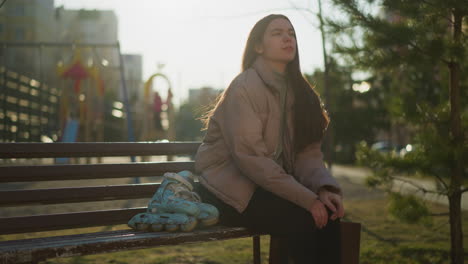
(27, 177)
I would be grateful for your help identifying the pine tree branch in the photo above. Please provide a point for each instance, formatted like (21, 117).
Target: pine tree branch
(370, 21)
(441, 16)
(303, 9)
(254, 13)
(441, 225)
(364, 228)
(420, 188)
(441, 181)
(422, 52)
(440, 214)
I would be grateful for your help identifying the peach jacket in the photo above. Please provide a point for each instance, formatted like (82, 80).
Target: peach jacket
(237, 153)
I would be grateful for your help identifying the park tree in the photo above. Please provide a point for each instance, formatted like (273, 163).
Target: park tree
(187, 123)
(421, 48)
(355, 114)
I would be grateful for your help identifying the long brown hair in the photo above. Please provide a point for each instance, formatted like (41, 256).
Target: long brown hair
(310, 118)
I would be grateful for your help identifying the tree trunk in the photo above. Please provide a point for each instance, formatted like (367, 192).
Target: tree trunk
(456, 232)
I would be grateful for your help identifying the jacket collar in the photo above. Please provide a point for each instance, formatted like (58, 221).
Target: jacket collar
(272, 79)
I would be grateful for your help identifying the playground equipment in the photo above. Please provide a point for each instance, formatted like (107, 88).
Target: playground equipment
(148, 126)
(90, 103)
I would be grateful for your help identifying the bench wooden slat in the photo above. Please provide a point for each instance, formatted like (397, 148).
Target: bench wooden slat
(98, 149)
(90, 171)
(85, 244)
(18, 251)
(77, 194)
(36, 223)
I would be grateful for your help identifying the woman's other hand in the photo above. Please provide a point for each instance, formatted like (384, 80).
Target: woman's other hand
(319, 213)
(334, 202)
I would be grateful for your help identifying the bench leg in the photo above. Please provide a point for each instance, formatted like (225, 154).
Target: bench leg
(277, 250)
(256, 250)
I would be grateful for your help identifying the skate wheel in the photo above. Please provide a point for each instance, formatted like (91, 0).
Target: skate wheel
(171, 228)
(157, 227)
(209, 221)
(189, 226)
(142, 227)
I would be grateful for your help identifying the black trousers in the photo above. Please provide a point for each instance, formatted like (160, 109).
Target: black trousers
(300, 239)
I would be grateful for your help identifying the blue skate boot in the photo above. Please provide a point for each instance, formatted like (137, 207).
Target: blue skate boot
(176, 195)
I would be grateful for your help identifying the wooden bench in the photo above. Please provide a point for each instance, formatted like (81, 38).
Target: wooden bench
(19, 181)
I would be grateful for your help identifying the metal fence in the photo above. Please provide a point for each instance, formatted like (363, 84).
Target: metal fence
(29, 108)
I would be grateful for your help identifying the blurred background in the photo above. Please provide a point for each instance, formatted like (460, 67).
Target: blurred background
(66, 64)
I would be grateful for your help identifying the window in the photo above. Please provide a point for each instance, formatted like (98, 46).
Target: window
(19, 34)
(18, 10)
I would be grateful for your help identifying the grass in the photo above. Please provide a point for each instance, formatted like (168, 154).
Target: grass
(387, 240)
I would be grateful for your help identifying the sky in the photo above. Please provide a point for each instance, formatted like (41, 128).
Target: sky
(201, 42)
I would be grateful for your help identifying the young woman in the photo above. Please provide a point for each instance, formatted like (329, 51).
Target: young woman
(260, 162)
